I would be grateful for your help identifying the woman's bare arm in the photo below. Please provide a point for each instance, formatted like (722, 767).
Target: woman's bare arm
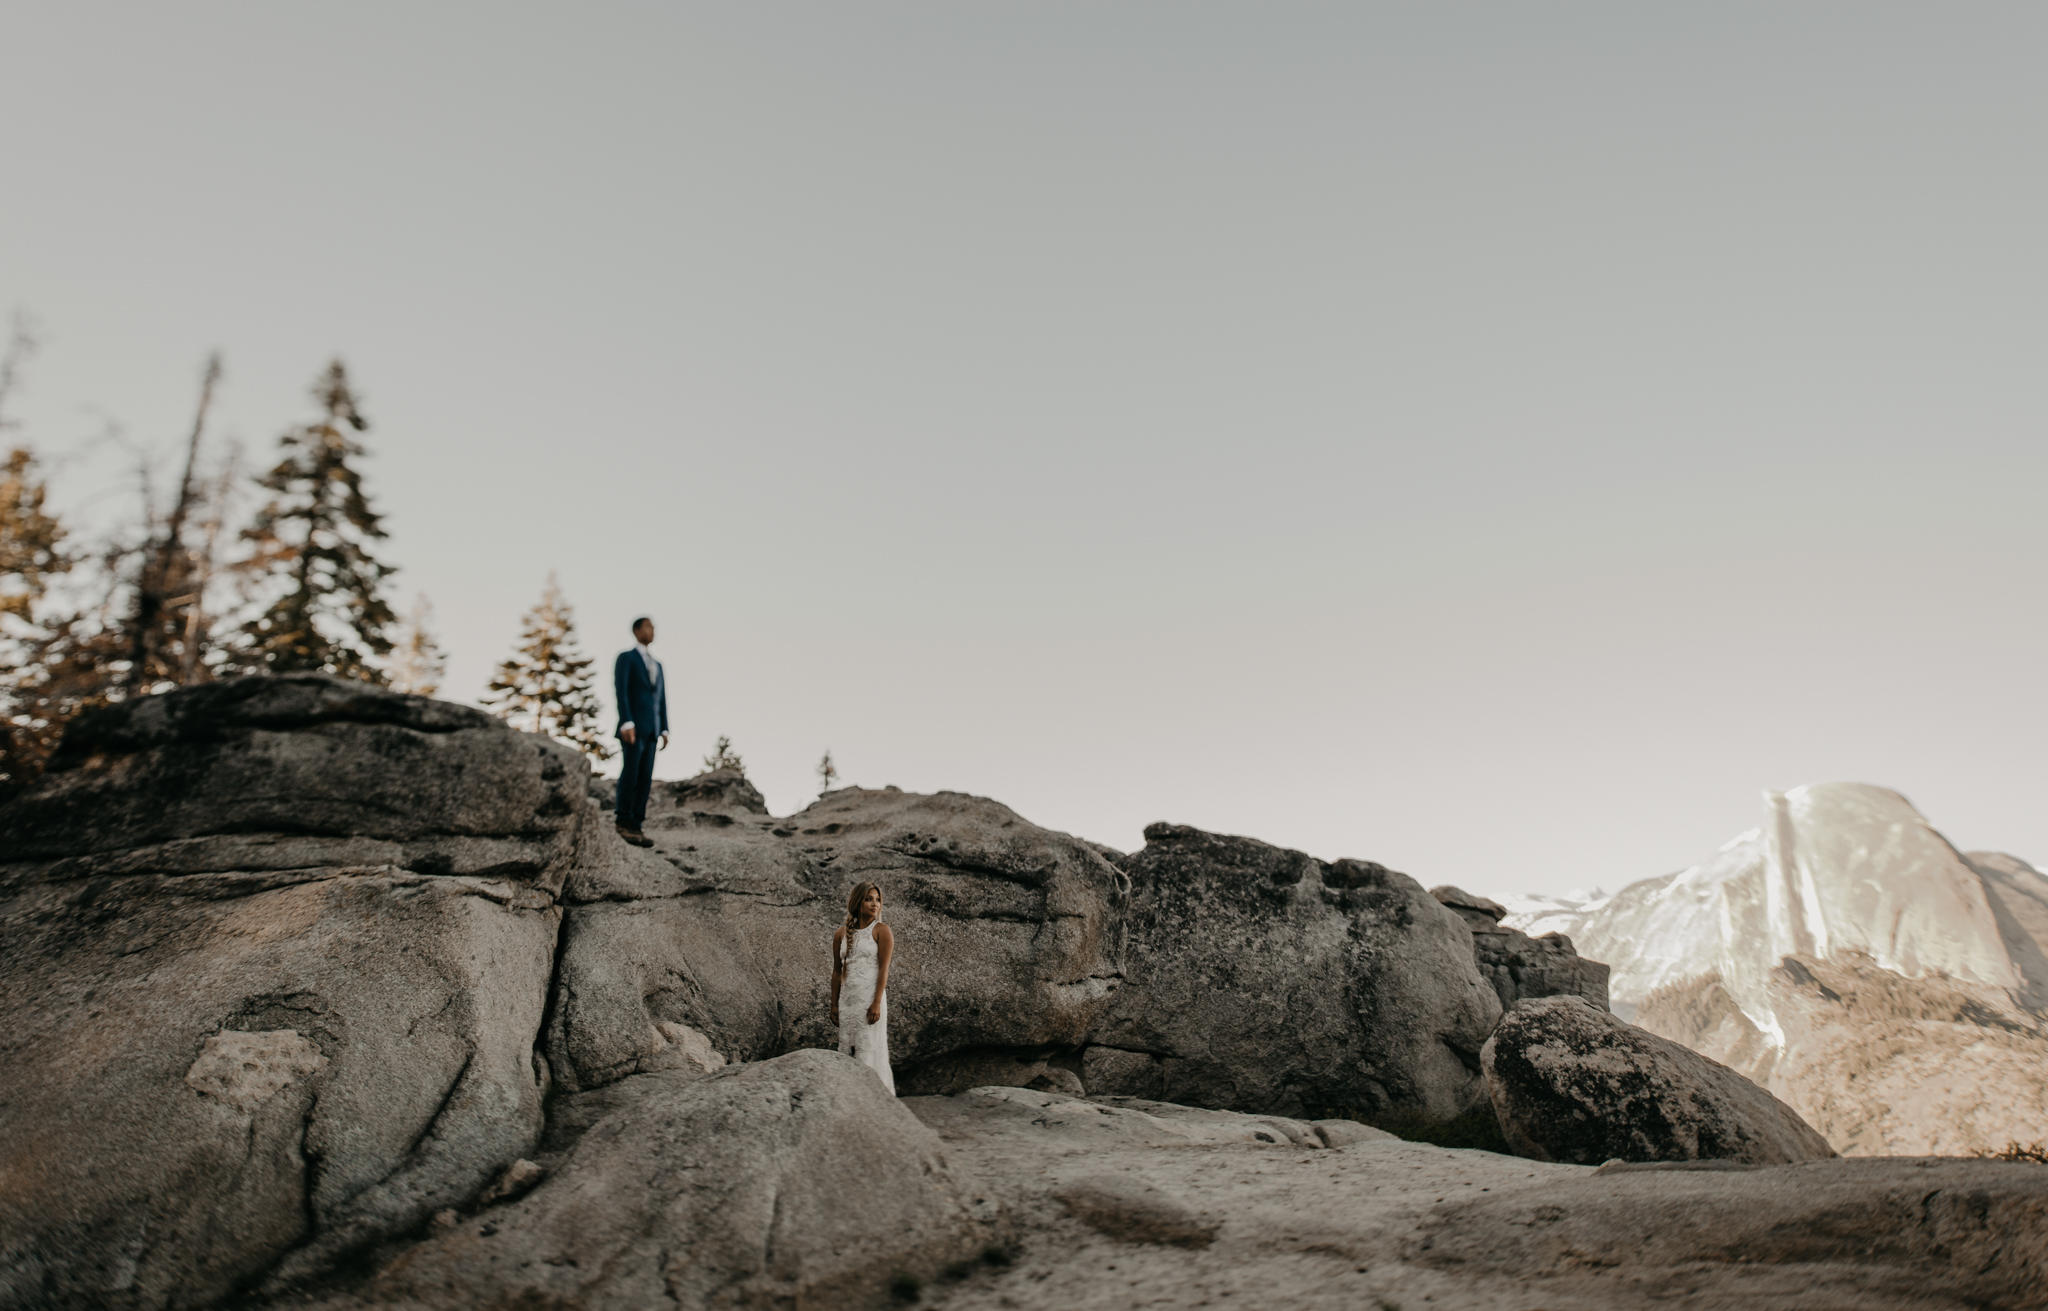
(885, 947)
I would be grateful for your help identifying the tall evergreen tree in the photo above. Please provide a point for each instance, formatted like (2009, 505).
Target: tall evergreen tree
(33, 710)
(417, 661)
(312, 543)
(546, 686)
(31, 538)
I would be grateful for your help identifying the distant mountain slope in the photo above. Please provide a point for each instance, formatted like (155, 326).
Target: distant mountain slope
(2019, 898)
(1850, 959)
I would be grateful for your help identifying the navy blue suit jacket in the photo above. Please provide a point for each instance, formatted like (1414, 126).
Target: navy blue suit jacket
(643, 701)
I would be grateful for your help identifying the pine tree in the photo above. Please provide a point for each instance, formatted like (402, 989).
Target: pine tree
(31, 538)
(546, 687)
(33, 707)
(828, 773)
(724, 757)
(417, 662)
(314, 538)
(68, 665)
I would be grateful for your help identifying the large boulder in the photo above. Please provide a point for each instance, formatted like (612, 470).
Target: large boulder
(1007, 934)
(1258, 978)
(1517, 965)
(276, 951)
(791, 1182)
(1321, 985)
(1572, 1083)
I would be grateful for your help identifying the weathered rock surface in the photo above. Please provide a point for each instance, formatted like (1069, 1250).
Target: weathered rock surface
(2018, 896)
(1517, 965)
(791, 1182)
(275, 955)
(1258, 978)
(1135, 1212)
(278, 953)
(293, 773)
(1007, 933)
(1131, 1119)
(1572, 1083)
(1857, 1235)
(1384, 1222)
(1880, 1064)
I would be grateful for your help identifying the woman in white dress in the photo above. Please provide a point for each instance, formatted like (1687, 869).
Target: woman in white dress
(861, 949)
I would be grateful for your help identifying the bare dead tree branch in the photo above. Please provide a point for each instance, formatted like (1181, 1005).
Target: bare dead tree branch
(167, 567)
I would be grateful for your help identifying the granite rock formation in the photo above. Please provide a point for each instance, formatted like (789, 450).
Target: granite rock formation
(309, 980)
(1572, 1083)
(1833, 867)
(1384, 1223)
(796, 1181)
(293, 967)
(1136, 1213)
(1880, 1064)
(1258, 978)
(1848, 958)
(1892, 1233)
(1517, 965)
(1011, 934)
(275, 953)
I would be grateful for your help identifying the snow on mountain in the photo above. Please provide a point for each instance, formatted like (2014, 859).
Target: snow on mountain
(1834, 867)
(1846, 956)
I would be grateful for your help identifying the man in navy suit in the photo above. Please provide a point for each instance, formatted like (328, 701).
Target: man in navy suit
(642, 692)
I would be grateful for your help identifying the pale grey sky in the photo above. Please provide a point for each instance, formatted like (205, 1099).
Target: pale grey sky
(1496, 440)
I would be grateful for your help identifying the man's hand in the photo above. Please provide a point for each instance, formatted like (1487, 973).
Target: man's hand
(664, 743)
(875, 1013)
(626, 735)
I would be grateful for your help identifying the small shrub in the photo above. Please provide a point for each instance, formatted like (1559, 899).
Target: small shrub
(2034, 1152)
(724, 757)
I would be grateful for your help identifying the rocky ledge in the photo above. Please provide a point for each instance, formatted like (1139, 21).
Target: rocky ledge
(1110, 1204)
(297, 968)
(325, 994)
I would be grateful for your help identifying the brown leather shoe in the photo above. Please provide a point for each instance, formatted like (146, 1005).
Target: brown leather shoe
(633, 836)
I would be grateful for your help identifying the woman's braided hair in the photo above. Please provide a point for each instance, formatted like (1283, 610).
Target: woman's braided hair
(859, 894)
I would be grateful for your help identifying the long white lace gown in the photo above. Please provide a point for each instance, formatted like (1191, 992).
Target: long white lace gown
(866, 1043)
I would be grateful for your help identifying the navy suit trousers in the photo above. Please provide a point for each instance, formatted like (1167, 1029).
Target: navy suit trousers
(636, 779)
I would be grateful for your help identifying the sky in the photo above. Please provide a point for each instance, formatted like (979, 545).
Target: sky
(1497, 440)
